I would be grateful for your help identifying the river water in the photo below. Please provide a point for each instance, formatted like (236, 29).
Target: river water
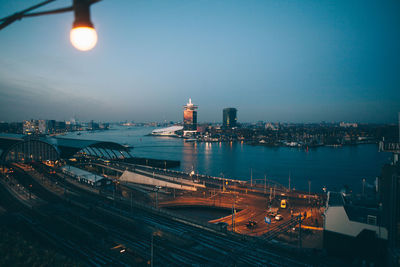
(323, 166)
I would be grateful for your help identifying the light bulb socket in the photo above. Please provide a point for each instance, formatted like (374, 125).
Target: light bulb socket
(82, 14)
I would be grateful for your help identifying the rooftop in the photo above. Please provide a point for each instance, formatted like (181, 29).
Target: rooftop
(357, 209)
(67, 147)
(82, 173)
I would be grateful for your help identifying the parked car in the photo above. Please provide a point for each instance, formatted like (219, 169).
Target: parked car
(278, 217)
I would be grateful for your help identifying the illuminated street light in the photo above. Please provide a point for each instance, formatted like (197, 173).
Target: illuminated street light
(83, 36)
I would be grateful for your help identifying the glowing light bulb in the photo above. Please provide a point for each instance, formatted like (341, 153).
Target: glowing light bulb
(83, 38)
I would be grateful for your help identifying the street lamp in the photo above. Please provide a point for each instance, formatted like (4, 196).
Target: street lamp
(157, 189)
(83, 36)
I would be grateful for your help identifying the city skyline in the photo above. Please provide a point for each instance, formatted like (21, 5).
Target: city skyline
(200, 133)
(77, 120)
(188, 118)
(289, 62)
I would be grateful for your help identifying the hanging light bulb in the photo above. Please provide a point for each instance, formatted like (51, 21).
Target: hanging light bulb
(83, 36)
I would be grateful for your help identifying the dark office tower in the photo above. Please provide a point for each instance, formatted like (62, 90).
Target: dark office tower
(389, 192)
(61, 126)
(190, 116)
(229, 117)
(51, 126)
(390, 197)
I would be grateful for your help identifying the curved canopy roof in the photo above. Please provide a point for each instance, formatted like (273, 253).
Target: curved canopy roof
(7, 140)
(66, 147)
(69, 146)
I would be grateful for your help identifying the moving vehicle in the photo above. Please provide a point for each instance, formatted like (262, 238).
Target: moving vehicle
(278, 217)
(283, 204)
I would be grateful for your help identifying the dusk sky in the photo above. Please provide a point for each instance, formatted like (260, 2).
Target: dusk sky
(288, 61)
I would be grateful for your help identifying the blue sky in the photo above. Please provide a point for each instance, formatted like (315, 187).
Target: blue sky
(289, 61)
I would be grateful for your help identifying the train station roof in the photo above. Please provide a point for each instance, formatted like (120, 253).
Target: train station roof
(66, 147)
(7, 140)
(82, 174)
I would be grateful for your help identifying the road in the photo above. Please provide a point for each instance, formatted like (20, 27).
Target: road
(251, 203)
(89, 225)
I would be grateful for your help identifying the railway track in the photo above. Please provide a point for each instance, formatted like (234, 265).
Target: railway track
(182, 244)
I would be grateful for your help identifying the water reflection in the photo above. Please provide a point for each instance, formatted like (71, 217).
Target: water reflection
(332, 167)
(207, 154)
(189, 156)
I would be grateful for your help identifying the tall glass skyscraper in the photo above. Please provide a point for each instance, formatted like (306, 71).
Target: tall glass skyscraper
(229, 117)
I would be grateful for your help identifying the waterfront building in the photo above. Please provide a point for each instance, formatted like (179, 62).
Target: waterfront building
(34, 127)
(104, 126)
(60, 126)
(51, 126)
(354, 228)
(189, 118)
(28, 126)
(348, 124)
(169, 131)
(69, 125)
(42, 127)
(16, 127)
(229, 117)
(271, 126)
(92, 126)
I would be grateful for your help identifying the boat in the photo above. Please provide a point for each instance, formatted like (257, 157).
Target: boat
(127, 146)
